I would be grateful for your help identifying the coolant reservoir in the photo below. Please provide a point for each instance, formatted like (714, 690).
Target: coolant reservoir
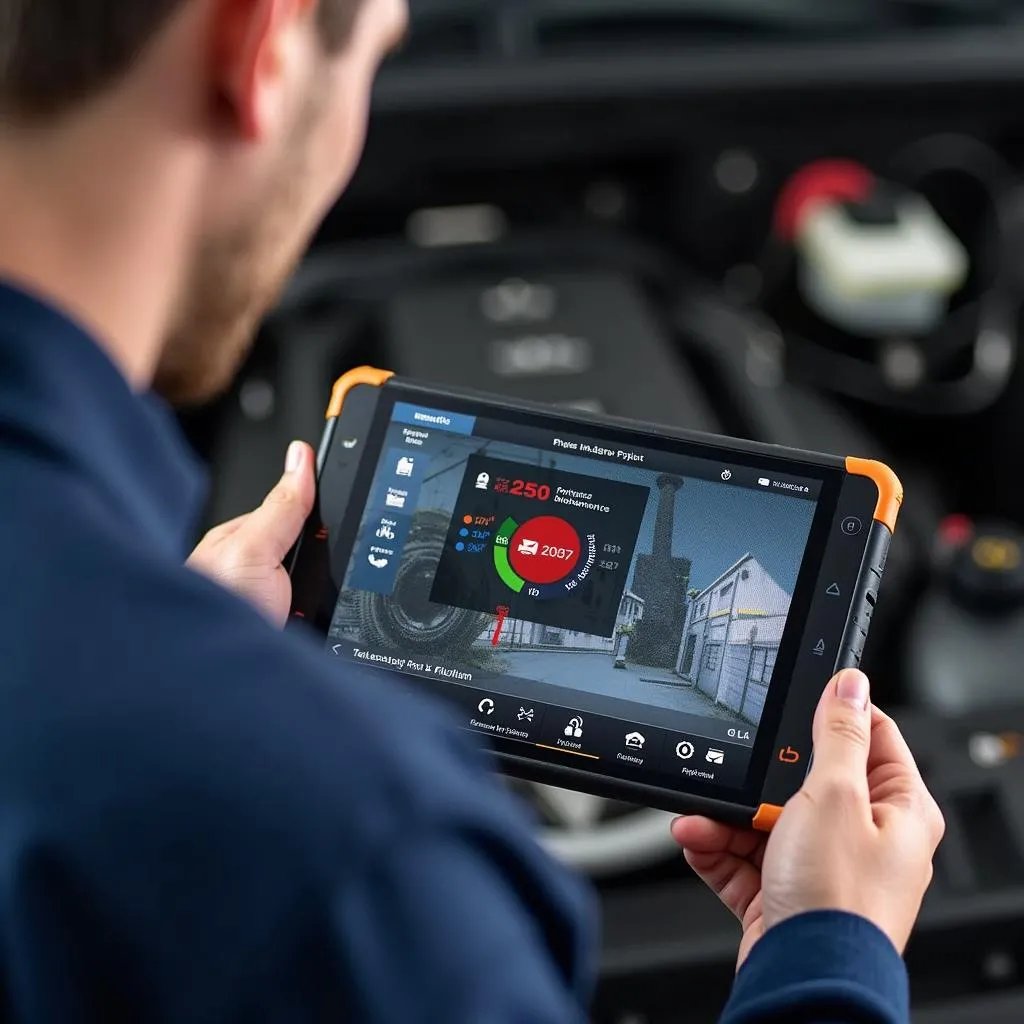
(887, 265)
(874, 259)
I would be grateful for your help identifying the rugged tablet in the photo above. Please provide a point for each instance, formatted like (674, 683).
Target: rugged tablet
(617, 608)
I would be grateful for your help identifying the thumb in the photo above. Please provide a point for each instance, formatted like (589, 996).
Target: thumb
(272, 529)
(842, 730)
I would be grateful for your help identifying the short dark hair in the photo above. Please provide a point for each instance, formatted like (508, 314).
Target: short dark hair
(57, 53)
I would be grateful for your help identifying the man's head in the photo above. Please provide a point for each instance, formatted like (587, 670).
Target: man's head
(268, 97)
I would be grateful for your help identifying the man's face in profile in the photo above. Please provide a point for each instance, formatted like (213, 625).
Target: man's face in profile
(239, 269)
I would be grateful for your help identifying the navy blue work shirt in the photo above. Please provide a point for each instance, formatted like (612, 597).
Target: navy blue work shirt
(201, 822)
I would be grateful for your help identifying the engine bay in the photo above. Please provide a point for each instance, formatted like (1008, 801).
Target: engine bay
(803, 233)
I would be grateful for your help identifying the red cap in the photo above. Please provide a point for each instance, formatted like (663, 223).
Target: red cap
(821, 182)
(956, 530)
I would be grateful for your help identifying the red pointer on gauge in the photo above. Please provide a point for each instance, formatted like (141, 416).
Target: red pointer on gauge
(502, 615)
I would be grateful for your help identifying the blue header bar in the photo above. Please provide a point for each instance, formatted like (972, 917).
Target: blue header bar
(432, 419)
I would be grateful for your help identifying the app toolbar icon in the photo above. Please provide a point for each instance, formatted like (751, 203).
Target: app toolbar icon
(635, 741)
(405, 466)
(486, 706)
(575, 727)
(715, 756)
(525, 714)
(684, 750)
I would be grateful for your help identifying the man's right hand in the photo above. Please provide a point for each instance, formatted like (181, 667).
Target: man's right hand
(860, 835)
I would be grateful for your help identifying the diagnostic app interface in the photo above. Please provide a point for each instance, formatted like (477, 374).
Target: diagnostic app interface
(543, 545)
(611, 605)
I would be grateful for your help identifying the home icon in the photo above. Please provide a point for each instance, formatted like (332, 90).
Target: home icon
(635, 741)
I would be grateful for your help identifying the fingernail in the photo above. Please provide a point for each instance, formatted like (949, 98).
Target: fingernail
(293, 460)
(853, 686)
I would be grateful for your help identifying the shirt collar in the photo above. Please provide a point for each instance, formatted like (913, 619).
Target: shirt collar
(60, 393)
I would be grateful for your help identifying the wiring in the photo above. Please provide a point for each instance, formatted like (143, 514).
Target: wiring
(368, 273)
(940, 154)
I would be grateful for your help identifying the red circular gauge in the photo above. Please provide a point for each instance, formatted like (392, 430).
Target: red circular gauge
(544, 550)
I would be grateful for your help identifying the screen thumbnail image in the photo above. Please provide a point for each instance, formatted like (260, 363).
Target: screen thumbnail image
(601, 578)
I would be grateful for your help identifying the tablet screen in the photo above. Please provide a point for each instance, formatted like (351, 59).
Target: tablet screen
(595, 601)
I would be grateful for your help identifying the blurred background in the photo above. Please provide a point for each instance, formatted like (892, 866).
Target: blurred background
(797, 221)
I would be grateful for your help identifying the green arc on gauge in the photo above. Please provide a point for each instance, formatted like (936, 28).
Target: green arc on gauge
(502, 539)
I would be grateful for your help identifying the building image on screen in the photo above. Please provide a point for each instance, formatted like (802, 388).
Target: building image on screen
(489, 558)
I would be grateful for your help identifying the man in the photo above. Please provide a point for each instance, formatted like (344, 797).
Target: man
(198, 821)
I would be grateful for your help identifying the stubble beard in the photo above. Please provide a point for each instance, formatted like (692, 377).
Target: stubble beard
(236, 278)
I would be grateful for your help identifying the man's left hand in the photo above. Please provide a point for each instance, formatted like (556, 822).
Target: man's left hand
(246, 554)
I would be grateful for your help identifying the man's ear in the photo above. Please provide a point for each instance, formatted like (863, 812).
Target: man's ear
(255, 51)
